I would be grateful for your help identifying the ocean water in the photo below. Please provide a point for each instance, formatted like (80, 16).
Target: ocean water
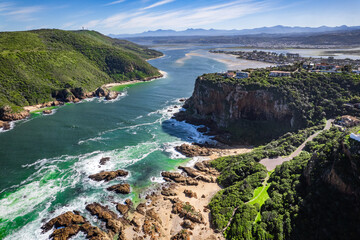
(45, 161)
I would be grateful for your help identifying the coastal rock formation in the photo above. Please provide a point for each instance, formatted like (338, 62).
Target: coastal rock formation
(6, 114)
(108, 176)
(188, 224)
(190, 150)
(190, 193)
(224, 107)
(112, 221)
(124, 208)
(46, 112)
(4, 125)
(123, 188)
(64, 220)
(111, 95)
(182, 235)
(186, 211)
(177, 177)
(104, 160)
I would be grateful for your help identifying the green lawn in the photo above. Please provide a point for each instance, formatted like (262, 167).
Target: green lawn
(260, 195)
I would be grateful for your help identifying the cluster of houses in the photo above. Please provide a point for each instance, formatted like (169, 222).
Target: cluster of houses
(349, 121)
(329, 64)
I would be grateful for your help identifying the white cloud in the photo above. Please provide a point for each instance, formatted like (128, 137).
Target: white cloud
(178, 18)
(115, 2)
(158, 4)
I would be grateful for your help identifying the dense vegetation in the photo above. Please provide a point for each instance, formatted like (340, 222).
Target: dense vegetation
(34, 64)
(310, 96)
(313, 196)
(241, 174)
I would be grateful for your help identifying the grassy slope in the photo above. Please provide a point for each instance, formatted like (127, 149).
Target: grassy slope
(33, 64)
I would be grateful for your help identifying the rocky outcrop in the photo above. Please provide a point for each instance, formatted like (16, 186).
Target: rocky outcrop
(177, 177)
(104, 160)
(6, 114)
(46, 112)
(4, 125)
(182, 235)
(124, 208)
(186, 211)
(225, 102)
(190, 150)
(224, 106)
(190, 194)
(64, 220)
(112, 221)
(71, 223)
(108, 176)
(123, 188)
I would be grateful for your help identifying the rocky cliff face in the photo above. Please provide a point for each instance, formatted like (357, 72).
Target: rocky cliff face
(224, 105)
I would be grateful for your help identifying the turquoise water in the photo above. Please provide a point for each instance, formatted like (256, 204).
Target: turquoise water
(46, 160)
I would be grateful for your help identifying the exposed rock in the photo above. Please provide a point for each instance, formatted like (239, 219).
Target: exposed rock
(6, 114)
(108, 176)
(76, 100)
(188, 224)
(182, 235)
(64, 220)
(104, 160)
(193, 150)
(129, 202)
(47, 112)
(94, 233)
(152, 229)
(111, 95)
(122, 208)
(168, 192)
(141, 208)
(190, 194)
(123, 188)
(153, 215)
(102, 92)
(5, 125)
(113, 222)
(186, 211)
(56, 103)
(136, 221)
(177, 177)
(190, 171)
(65, 233)
(200, 166)
(182, 99)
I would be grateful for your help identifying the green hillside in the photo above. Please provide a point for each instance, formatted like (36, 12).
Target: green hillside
(36, 64)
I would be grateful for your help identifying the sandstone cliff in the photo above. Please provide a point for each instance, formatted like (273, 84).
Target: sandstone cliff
(235, 108)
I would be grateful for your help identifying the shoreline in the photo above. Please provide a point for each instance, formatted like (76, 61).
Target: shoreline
(163, 198)
(26, 113)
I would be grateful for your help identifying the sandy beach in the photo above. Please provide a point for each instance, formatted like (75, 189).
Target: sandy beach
(231, 61)
(171, 223)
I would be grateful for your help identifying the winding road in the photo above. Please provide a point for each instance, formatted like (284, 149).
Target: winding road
(271, 163)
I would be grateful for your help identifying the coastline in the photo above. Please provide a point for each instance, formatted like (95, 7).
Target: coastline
(170, 193)
(49, 106)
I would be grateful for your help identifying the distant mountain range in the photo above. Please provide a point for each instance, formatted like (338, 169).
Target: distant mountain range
(216, 32)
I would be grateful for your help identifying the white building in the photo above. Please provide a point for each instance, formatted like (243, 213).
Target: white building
(356, 137)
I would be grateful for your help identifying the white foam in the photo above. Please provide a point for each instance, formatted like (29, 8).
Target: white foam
(157, 179)
(95, 139)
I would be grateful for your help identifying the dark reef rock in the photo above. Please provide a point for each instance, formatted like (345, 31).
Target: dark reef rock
(193, 150)
(123, 188)
(108, 176)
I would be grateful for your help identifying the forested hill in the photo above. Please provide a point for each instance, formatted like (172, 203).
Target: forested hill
(35, 64)
(313, 196)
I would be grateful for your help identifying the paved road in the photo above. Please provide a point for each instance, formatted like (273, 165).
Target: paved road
(271, 163)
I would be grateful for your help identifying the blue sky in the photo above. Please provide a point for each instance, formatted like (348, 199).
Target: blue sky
(133, 16)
